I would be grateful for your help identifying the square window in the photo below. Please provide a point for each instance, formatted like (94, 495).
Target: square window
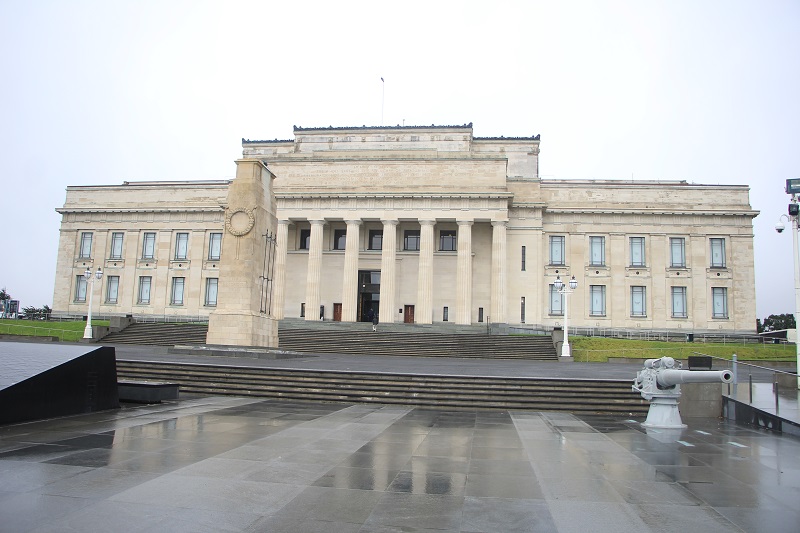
(447, 240)
(112, 289)
(597, 251)
(637, 251)
(557, 250)
(305, 239)
(376, 239)
(149, 245)
(214, 246)
(339, 239)
(85, 251)
(677, 252)
(116, 245)
(411, 240)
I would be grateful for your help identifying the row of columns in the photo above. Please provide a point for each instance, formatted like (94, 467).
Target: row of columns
(423, 311)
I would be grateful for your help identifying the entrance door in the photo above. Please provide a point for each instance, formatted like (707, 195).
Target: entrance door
(408, 314)
(337, 312)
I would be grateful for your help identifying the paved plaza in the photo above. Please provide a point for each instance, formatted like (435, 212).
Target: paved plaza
(246, 464)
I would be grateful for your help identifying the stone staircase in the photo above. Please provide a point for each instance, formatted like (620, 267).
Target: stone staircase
(585, 396)
(359, 339)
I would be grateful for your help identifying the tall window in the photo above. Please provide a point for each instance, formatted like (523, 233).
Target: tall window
(339, 239)
(597, 251)
(719, 297)
(638, 305)
(447, 240)
(214, 246)
(480, 314)
(86, 245)
(597, 300)
(411, 240)
(112, 289)
(717, 253)
(522, 310)
(677, 252)
(637, 252)
(523, 259)
(445, 314)
(376, 239)
(80, 288)
(556, 301)
(557, 250)
(305, 239)
(116, 245)
(177, 291)
(181, 246)
(144, 289)
(679, 302)
(149, 245)
(211, 291)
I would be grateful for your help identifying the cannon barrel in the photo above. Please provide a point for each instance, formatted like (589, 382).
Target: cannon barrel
(670, 377)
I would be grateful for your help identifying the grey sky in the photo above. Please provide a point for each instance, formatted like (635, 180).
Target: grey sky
(99, 92)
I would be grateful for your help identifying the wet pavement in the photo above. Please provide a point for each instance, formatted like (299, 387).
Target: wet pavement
(244, 464)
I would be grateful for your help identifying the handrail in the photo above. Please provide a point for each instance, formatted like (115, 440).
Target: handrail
(749, 364)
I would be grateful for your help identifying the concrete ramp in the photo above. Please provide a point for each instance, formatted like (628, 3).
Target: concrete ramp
(45, 381)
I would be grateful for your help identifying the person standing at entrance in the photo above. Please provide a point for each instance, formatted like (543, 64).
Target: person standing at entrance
(375, 322)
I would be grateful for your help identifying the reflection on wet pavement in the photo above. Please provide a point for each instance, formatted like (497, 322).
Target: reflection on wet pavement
(239, 464)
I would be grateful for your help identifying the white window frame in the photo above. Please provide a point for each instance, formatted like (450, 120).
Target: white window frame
(637, 249)
(117, 239)
(80, 288)
(556, 302)
(85, 251)
(214, 246)
(149, 245)
(181, 246)
(679, 302)
(597, 300)
(597, 251)
(112, 289)
(448, 240)
(145, 289)
(212, 291)
(677, 252)
(557, 250)
(717, 253)
(176, 294)
(719, 299)
(638, 301)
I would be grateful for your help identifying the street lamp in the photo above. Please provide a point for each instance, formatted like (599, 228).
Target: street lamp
(87, 331)
(779, 227)
(566, 290)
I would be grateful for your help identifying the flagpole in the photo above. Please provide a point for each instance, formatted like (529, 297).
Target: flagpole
(383, 93)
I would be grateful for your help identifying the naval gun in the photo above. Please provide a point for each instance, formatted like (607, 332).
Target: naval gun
(660, 381)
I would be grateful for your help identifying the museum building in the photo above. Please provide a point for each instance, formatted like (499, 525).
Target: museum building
(422, 224)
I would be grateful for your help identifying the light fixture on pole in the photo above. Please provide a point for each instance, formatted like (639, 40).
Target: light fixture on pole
(792, 218)
(566, 290)
(87, 331)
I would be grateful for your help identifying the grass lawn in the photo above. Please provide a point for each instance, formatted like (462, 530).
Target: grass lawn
(65, 331)
(598, 349)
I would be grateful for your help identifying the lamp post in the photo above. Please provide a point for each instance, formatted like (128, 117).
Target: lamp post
(793, 188)
(566, 290)
(87, 331)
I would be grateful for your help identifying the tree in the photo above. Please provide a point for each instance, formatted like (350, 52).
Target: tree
(4, 294)
(776, 323)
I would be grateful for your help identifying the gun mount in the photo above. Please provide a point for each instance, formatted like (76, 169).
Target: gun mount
(659, 382)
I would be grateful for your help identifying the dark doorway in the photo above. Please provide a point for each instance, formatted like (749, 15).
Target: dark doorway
(337, 312)
(408, 314)
(369, 294)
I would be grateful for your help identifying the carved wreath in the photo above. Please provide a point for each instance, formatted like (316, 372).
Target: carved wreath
(240, 221)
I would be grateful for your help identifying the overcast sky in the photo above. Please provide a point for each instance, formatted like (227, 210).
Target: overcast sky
(101, 92)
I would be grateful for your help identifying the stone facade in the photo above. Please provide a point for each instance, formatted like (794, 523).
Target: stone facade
(433, 225)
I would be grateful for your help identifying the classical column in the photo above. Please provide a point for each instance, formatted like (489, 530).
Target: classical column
(423, 314)
(464, 273)
(350, 281)
(314, 270)
(498, 288)
(386, 310)
(279, 293)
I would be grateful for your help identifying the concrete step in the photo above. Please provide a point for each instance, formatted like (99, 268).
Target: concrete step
(582, 396)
